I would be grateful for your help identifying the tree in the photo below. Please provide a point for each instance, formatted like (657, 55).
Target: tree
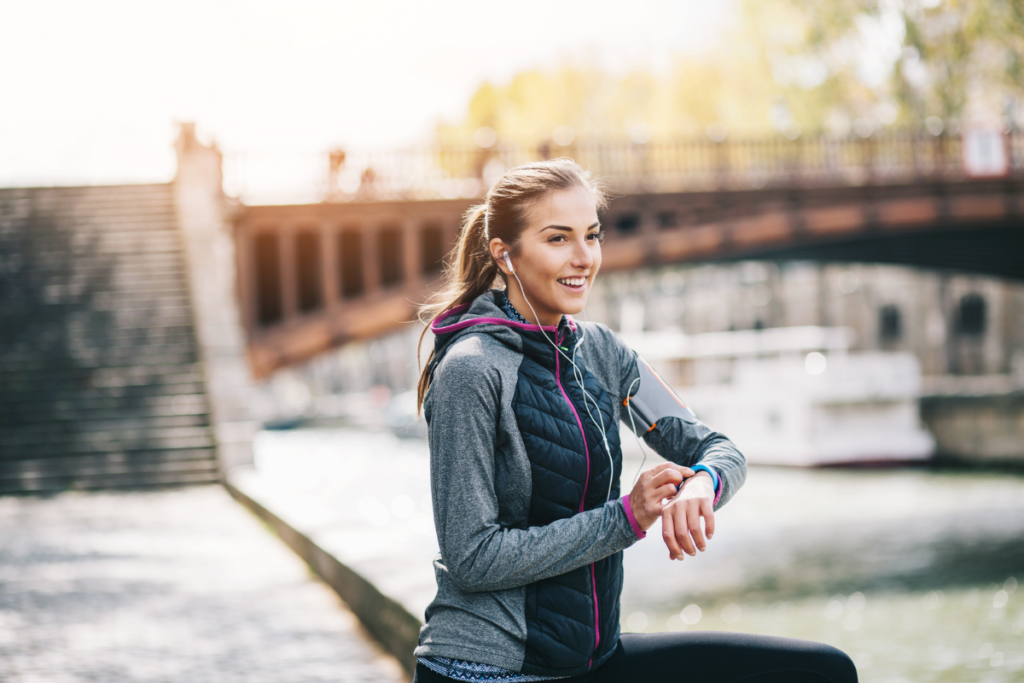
(786, 66)
(951, 59)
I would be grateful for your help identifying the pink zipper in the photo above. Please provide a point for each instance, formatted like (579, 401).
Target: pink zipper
(586, 450)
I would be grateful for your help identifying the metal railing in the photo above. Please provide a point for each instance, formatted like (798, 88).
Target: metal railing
(623, 166)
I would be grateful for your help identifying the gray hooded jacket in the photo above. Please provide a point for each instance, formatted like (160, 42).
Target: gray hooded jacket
(513, 549)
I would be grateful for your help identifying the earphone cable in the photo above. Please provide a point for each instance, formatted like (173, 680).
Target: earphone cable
(579, 382)
(587, 394)
(632, 424)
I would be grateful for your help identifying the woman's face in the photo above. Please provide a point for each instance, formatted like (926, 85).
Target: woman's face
(559, 256)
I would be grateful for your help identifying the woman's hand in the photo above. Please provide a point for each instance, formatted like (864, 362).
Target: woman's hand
(680, 516)
(653, 487)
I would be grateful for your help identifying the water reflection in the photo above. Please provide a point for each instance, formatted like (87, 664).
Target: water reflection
(914, 572)
(954, 635)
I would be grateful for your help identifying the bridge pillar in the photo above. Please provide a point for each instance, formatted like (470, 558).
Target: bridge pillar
(289, 273)
(330, 283)
(412, 253)
(371, 259)
(209, 255)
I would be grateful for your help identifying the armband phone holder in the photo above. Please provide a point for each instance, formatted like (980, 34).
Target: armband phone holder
(654, 400)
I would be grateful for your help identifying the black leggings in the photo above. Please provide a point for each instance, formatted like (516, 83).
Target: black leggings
(710, 657)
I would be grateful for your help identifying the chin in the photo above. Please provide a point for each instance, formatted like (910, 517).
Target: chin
(574, 306)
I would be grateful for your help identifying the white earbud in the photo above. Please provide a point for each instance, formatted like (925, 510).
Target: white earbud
(508, 262)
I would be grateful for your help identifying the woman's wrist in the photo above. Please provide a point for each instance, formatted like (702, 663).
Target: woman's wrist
(704, 477)
(627, 505)
(715, 480)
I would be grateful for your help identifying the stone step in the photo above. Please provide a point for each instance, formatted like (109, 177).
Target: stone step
(94, 197)
(82, 232)
(92, 214)
(100, 380)
(103, 377)
(73, 418)
(109, 357)
(85, 242)
(113, 269)
(17, 446)
(54, 394)
(89, 353)
(67, 422)
(152, 404)
(58, 296)
(125, 319)
(147, 216)
(56, 288)
(51, 408)
(109, 471)
(131, 481)
(108, 200)
(104, 304)
(108, 312)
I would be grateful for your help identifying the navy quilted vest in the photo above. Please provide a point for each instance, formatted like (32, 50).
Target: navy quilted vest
(572, 619)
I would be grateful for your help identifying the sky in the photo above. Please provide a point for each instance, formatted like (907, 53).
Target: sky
(90, 91)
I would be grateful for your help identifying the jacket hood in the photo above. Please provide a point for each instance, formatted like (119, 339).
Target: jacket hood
(483, 315)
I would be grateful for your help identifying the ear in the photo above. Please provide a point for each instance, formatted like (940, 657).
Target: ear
(498, 248)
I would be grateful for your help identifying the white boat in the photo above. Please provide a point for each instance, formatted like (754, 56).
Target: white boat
(796, 396)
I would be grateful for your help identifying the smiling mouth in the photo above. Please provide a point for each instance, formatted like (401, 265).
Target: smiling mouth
(573, 283)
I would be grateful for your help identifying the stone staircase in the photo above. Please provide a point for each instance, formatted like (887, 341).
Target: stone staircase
(100, 380)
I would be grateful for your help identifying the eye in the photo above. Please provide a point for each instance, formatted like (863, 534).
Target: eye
(596, 236)
(557, 238)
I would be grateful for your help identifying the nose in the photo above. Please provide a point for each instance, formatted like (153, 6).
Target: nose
(582, 255)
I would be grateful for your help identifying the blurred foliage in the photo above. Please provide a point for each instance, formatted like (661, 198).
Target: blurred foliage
(952, 59)
(785, 66)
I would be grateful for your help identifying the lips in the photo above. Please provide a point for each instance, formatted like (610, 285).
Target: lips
(573, 283)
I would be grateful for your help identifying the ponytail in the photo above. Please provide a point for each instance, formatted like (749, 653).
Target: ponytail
(470, 273)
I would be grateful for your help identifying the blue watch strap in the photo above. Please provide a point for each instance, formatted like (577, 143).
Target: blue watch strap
(714, 475)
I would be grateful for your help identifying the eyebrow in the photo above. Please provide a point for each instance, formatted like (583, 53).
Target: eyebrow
(568, 229)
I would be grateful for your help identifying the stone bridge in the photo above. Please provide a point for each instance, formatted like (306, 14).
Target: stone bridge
(313, 276)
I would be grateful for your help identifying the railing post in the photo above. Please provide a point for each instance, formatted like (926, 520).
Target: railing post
(329, 281)
(289, 273)
(412, 253)
(371, 259)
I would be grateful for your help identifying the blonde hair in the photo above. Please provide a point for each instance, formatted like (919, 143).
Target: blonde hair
(470, 269)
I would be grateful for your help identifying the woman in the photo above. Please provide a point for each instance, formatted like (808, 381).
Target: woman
(523, 405)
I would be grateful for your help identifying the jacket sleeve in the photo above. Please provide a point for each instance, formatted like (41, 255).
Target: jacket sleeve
(682, 442)
(479, 552)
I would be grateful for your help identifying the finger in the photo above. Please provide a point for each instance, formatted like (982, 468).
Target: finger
(708, 510)
(668, 534)
(681, 527)
(664, 491)
(668, 474)
(652, 472)
(693, 524)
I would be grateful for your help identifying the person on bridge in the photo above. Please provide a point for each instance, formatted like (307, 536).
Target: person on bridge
(522, 404)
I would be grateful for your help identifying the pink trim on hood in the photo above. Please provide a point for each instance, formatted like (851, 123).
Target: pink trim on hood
(436, 328)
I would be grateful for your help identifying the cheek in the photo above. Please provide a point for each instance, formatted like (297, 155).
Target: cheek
(549, 266)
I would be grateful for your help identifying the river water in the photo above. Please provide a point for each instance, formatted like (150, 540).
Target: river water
(918, 574)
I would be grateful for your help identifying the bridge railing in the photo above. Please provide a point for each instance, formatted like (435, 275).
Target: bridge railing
(657, 166)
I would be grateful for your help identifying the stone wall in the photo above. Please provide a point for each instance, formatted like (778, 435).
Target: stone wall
(204, 217)
(977, 430)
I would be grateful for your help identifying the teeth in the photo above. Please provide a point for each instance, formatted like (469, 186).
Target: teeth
(573, 281)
